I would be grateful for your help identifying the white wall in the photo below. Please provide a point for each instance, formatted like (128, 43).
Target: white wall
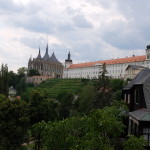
(114, 70)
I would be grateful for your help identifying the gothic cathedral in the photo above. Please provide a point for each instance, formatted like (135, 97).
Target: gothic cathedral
(46, 66)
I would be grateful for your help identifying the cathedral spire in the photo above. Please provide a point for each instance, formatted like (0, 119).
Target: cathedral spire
(46, 56)
(39, 55)
(53, 58)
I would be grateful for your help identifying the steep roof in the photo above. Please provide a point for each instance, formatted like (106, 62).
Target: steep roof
(110, 62)
(134, 67)
(46, 56)
(142, 78)
(53, 58)
(141, 114)
(39, 55)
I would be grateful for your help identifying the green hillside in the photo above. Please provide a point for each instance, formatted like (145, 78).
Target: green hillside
(55, 86)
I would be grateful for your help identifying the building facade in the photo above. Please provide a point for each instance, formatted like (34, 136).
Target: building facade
(137, 96)
(133, 70)
(36, 80)
(116, 68)
(46, 66)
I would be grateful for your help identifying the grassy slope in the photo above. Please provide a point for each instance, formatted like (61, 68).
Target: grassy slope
(55, 86)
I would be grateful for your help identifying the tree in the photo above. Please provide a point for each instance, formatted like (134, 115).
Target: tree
(103, 93)
(33, 72)
(85, 100)
(4, 80)
(134, 143)
(14, 116)
(12, 79)
(117, 95)
(42, 108)
(116, 84)
(22, 72)
(37, 131)
(95, 131)
(66, 105)
(21, 86)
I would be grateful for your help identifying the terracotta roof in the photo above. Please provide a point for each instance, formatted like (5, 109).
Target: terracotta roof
(40, 76)
(110, 62)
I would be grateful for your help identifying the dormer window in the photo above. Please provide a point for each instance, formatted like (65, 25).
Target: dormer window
(136, 96)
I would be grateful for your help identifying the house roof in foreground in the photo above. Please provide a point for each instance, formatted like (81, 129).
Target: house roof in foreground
(141, 114)
(135, 67)
(142, 78)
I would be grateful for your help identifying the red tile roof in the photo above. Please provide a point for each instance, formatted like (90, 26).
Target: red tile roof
(110, 62)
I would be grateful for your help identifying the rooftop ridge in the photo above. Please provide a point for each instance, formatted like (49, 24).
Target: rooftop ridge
(110, 61)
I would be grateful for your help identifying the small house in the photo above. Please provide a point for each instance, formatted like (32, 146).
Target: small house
(137, 96)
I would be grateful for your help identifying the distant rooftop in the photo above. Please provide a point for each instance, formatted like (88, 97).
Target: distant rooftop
(110, 62)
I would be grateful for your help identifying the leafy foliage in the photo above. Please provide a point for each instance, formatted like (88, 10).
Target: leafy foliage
(13, 79)
(4, 80)
(14, 124)
(116, 84)
(95, 131)
(65, 105)
(85, 100)
(134, 143)
(117, 95)
(22, 72)
(41, 108)
(33, 72)
(103, 93)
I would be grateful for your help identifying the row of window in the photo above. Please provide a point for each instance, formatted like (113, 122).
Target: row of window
(126, 64)
(83, 73)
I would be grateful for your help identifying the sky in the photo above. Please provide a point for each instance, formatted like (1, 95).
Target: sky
(90, 29)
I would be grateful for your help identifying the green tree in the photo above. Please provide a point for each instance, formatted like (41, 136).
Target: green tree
(14, 116)
(103, 93)
(66, 105)
(21, 86)
(37, 131)
(3, 98)
(134, 143)
(95, 131)
(4, 80)
(41, 108)
(22, 72)
(12, 79)
(33, 72)
(85, 100)
(116, 84)
(117, 95)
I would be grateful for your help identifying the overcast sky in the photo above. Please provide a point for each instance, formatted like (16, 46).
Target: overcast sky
(92, 29)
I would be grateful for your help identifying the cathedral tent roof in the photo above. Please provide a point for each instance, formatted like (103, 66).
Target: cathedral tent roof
(46, 56)
(53, 58)
(39, 55)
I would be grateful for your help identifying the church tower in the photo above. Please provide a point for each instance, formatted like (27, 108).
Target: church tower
(68, 61)
(148, 52)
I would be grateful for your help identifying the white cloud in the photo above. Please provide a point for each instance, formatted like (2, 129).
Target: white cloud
(91, 29)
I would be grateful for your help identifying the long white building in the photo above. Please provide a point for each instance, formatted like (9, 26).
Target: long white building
(116, 68)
